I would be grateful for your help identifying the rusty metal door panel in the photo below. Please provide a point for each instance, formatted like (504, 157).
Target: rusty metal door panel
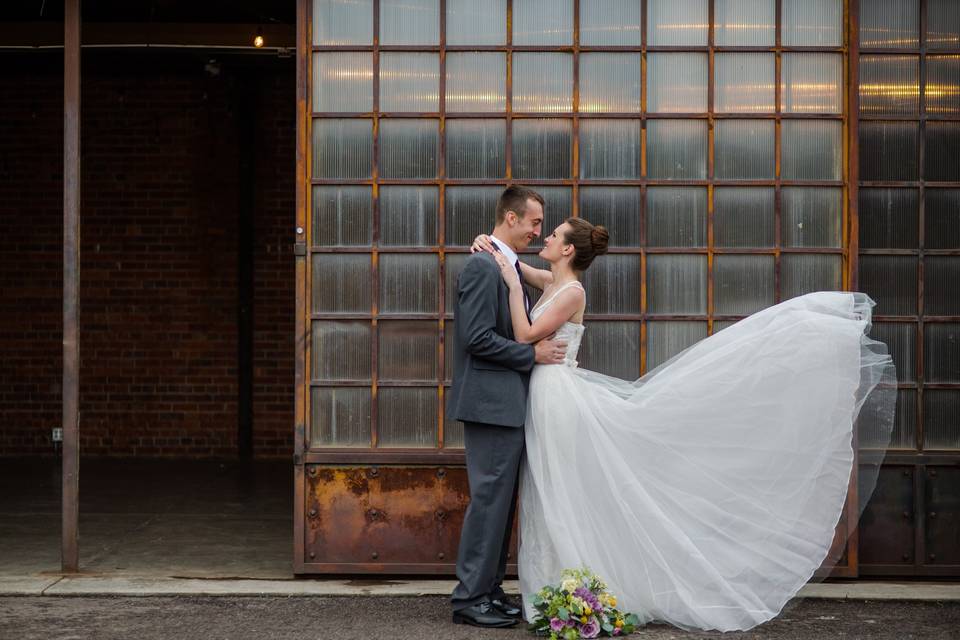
(886, 527)
(942, 517)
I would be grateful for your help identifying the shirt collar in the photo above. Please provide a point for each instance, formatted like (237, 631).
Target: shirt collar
(505, 250)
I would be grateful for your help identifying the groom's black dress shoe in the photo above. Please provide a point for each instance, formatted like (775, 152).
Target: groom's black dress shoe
(483, 614)
(508, 607)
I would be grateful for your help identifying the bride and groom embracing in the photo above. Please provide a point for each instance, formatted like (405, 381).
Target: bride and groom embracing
(705, 494)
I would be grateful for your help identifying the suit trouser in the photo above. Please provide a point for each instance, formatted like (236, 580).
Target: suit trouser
(493, 470)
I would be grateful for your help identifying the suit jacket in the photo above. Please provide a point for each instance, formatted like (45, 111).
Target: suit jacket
(491, 372)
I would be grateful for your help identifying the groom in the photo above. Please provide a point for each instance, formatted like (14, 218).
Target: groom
(490, 378)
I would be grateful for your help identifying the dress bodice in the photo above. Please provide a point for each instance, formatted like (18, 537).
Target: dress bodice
(570, 332)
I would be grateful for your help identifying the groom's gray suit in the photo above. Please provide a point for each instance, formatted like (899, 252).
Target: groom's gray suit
(490, 379)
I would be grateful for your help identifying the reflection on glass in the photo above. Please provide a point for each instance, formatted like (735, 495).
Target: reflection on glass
(812, 23)
(612, 284)
(742, 284)
(476, 23)
(901, 339)
(409, 81)
(334, 283)
(889, 84)
(453, 265)
(470, 211)
(541, 148)
(343, 81)
(891, 281)
(342, 148)
(665, 339)
(408, 283)
(940, 364)
(610, 149)
(408, 350)
(677, 284)
(408, 216)
(408, 148)
(340, 350)
(542, 22)
(745, 82)
(889, 24)
(407, 417)
(888, 218)
(616, 208)
(610, 23)
(340, 417)
(341, 216)
(337, 22)
(744, 23)
(676, 217)
(744, 149)
(940, 277)
(942, 90)
(942, 218)
(612, 348)
(677, 149)
(677, 22)
(475, 148)
(942, 152)
(476, 82)
(410, 22)
(802, 273)
(811, 216)
(811, 83)
(449, 336)
(888, 150)
(943, 24)
(940, 410)
(542, 82)
(676, 82)
(609, 82)
(557, 208)
(743, 217)
(811, 150)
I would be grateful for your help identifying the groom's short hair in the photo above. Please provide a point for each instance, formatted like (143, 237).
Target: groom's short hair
(514, 198)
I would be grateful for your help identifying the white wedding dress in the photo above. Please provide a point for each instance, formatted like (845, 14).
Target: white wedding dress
(707, 492)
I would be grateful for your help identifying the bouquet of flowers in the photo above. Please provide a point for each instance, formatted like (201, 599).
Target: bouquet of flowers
(580, 607)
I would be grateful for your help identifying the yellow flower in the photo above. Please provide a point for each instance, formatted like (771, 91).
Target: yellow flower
(618, 623)
(583, 619)
(588, 611)
(612, 601)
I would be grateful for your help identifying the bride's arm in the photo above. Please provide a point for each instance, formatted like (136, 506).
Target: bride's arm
(538, 278)
(567, 304)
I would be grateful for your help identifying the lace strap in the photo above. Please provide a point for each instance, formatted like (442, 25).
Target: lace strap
(553, 296)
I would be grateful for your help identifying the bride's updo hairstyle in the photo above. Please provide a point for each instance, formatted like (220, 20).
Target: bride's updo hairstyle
(588, 242)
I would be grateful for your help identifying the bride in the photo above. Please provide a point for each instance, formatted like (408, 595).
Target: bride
(707, 492)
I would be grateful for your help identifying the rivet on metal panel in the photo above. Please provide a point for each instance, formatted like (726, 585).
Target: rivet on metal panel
(440, 514)
(907, 473)
(373, 472)
(313, 554)
(906, 556)
(312, 513)
(509, 555)
(441, 556)
(441, 473)
(313, 471)
(933, 556)
(374, 555)
(933, 473)
(906, 514)
(374, 514)
(933, 514)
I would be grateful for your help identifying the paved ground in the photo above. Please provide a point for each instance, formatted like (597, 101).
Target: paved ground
(426, 618)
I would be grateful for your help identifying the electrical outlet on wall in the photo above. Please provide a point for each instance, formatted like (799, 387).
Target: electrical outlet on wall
(58, 434)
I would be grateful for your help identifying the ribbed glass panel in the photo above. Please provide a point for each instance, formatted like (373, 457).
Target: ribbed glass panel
(453, 265)
(941, 419)
(745, 82)
(610, 149)
(335, 279)
(476, 82)
(891, 281)
(677, 284)
(343, 81)
(942, 152)
(889, 24)
(941, 357)
(542, 82)
(542, 22)
(340, 350)
(666, 339)
(812, 23)
(409, 81)
(612, 284)
(410, 22)
(609, 82)
(676, 82)
(408, 216)
(342, 216)
(904, 435)
(942, 218)
(812, 216)
(677, 22)
(409, 148)
(802, 273)
(541, 148)
(812, 150)
(475, 148)
(452, 429)
(612, 348)
(610, 23)
(744, 23)
(340, 417)
(743, 217)
(558, 207)
(472, 22)
(616, 208)
(888, 150)
(742, 284)
(888, 218)
(676, 217)
(943, 24)
(941, 286)
(470, 211)
(677, 149)
(942, 90)
(342, 148)
(720, 325)
(337, 22)
(889, 85)
(408, 283)
(449, 338)
(407, 417)
(744, 149)
(811, 83)
(408, 350)
(901, 339)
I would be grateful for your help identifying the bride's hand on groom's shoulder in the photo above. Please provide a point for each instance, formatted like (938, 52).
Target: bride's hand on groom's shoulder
(482, 243)
(507, 270)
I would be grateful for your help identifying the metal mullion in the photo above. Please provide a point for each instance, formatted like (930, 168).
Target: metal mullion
(441, 227)
(711, 162)
(777, 151)
(508, 152)
(921, 219)
(575, 191)
(329, 384)
(643, 189)
(375, 264)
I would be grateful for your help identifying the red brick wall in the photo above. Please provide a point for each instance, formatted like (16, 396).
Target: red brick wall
(159, 279)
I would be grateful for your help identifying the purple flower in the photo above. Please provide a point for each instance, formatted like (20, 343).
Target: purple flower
(556, 624)
(590, 630)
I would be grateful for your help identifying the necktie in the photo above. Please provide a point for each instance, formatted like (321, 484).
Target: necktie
(526, 299)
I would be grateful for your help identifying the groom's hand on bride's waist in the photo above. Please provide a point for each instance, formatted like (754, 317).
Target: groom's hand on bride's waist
(550, 351)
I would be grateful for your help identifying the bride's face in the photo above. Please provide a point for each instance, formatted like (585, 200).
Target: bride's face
(554, 248)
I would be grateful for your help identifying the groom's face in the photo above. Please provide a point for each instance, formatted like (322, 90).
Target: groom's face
(529, 226)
